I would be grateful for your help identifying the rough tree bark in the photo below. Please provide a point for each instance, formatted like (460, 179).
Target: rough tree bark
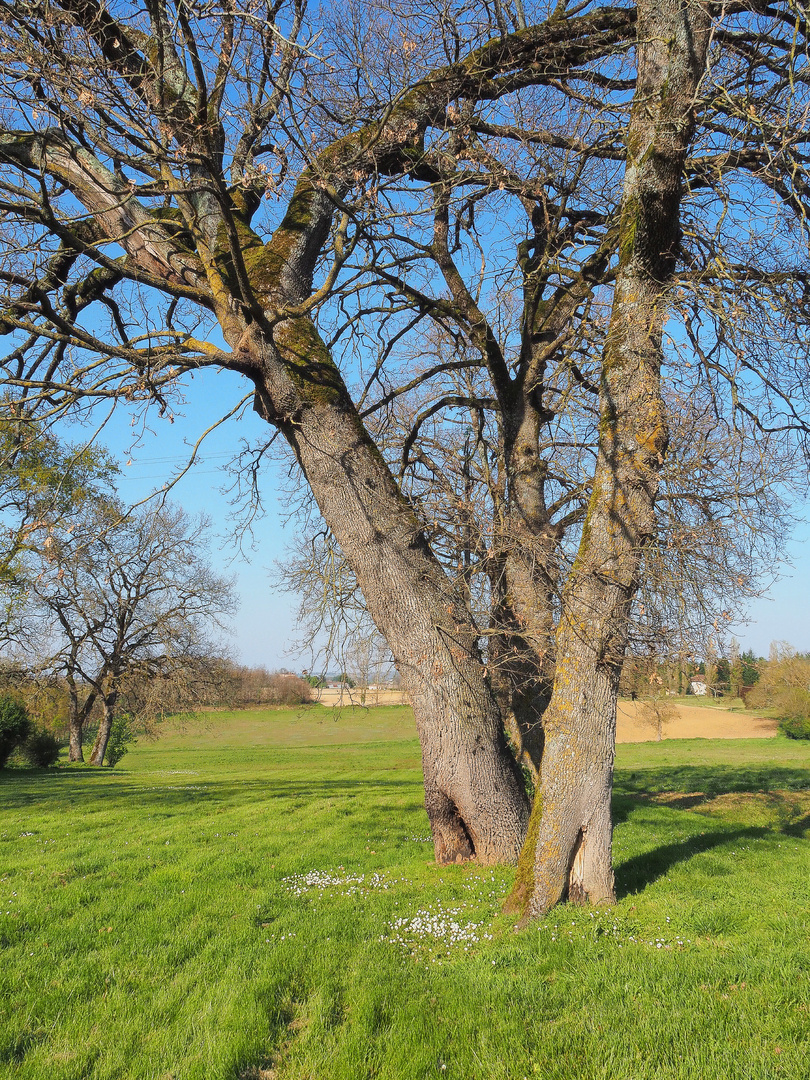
(473, 793)
(568, 847)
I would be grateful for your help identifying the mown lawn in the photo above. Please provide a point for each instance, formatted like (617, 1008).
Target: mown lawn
(254, 898)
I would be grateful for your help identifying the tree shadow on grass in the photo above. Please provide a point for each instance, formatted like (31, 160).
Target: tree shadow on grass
(688, 787)
(708, 781)
(24, 787)
(635, 874)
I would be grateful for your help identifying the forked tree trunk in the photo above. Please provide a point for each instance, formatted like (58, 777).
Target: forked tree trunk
(104, 729)
(568, 848)
(78, 714)
(262, 295)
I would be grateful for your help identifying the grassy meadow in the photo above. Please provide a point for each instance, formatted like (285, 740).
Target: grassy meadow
(254, 898)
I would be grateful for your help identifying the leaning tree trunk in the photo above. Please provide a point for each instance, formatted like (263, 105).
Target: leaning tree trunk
(104, 729)
(473, 792)
(568, 847)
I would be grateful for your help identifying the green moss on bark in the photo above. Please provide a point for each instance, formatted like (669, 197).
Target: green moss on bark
(517, 903)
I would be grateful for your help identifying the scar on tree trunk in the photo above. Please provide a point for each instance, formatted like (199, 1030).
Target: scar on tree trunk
(451, 841)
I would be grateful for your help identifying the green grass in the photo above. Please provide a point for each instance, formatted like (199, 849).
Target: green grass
(154, 924)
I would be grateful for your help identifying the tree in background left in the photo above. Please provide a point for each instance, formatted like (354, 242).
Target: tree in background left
(99, 601)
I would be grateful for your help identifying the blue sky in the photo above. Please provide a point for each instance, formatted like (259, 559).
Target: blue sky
(783, 614)
(264, 627)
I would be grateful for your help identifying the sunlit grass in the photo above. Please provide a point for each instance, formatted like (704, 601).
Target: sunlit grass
(255, 897)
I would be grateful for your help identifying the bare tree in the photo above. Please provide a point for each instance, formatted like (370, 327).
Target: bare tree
(657, 712)
(122, 600)
(169, 127)
(135, 124)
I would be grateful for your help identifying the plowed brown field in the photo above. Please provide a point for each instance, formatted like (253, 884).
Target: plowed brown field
(693, 723)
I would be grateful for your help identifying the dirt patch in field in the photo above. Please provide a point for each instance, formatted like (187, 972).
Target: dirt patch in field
(355, 696)
(692, 723)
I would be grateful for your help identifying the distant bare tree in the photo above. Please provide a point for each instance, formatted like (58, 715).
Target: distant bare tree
(656, 711)
(122, 599)
(43, 482)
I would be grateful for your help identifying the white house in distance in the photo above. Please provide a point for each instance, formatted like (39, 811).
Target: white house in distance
(698, 687)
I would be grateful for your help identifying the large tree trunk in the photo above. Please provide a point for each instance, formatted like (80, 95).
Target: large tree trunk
(104, 729)
(473, 791)
(75, 740)
(77, 715)
(568, 849)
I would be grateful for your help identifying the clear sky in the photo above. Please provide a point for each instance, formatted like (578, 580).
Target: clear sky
(264, 627)
(783, 614)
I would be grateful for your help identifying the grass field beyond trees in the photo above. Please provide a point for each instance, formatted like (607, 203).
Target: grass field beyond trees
(254, 898)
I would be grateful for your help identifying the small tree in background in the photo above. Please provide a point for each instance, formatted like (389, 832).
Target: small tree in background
(284, 688)
(657, 712)
(750, 668)
(120, 599)
(784, 675)
(122, 735)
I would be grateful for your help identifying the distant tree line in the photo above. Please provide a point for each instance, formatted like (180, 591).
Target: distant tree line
(36, 705)
(651, 676)
(242, 686)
